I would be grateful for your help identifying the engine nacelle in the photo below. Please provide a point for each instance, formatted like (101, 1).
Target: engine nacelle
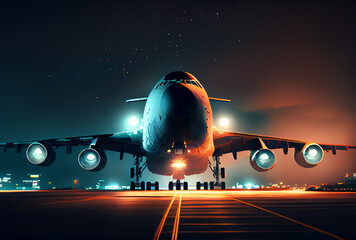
(91, 159)
(309, 156)
(40, 153)
(262, 160)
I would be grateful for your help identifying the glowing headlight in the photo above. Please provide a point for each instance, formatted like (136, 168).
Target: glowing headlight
(133, 121)
(36, 153)
(178, 165)
(89, 159)
(224, 122)
(313, 154)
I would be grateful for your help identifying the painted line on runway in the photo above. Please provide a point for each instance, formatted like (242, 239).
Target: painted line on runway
(290, 219)
(176, 221)
(161, 224)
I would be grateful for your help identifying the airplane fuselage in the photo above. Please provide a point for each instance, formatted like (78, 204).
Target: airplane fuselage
(177, 126)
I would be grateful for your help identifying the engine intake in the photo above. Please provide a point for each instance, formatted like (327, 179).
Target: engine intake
(91, 159)
(262, 160)
(309, 156)
(40, 153)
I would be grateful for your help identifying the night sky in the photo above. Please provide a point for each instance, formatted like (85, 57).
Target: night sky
(66, 69)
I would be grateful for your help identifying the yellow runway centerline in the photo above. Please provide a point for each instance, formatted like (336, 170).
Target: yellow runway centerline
(161, 224)
(176, 221)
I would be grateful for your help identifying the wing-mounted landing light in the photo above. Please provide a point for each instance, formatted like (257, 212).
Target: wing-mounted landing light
(40, 153)
(309, 156)
(263, 159)
(91, 159)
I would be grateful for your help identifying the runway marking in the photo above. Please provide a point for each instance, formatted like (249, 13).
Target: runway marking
(176, 221)
(290, 219)
(161, 224)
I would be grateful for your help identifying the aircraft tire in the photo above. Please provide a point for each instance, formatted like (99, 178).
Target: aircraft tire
(223, 185)
(198, 185)
(205, 185)
(142, 185)
(170, 185)
(132, 186)
(185, 185)
(211, 185)
(178, 185)
(148, 186)
(156, 185)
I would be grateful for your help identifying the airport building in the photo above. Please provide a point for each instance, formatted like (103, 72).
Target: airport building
(32, 182)
(349, 184)
(6, 183)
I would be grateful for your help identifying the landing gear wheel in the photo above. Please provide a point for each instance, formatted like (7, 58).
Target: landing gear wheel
(205, 185)
(198, 185)
(148, 186)
(211, 185)
(223, 186)
(178, 185)
(156, 186)
(170, 185)
(132, 186)
(185, 185)
(142, 185)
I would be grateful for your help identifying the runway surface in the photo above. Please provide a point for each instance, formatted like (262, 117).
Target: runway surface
(177, 215)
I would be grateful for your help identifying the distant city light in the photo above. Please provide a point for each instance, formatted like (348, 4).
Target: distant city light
(251, 186)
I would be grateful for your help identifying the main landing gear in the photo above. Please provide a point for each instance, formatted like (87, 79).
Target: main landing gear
(217, 173)
(136, 172)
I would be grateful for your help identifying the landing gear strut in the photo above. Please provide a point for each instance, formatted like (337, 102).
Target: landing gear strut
(217, 173)
(137, 171)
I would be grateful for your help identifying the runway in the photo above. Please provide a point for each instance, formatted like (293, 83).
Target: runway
(217, 214)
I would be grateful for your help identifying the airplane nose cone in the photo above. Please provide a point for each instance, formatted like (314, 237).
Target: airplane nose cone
(178, 101)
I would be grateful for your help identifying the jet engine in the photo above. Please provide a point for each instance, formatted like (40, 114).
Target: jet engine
(309, 156)
(40, 153)
(92, 159)
(262, 160)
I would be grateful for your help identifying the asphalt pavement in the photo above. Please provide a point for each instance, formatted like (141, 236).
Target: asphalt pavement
(213, 214)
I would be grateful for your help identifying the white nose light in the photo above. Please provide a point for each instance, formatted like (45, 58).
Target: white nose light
(264, 156)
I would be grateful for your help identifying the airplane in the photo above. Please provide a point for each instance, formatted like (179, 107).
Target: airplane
(177, 138)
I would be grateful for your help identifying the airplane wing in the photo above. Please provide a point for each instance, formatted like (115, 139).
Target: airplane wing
(232, 142)
(125, 142)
